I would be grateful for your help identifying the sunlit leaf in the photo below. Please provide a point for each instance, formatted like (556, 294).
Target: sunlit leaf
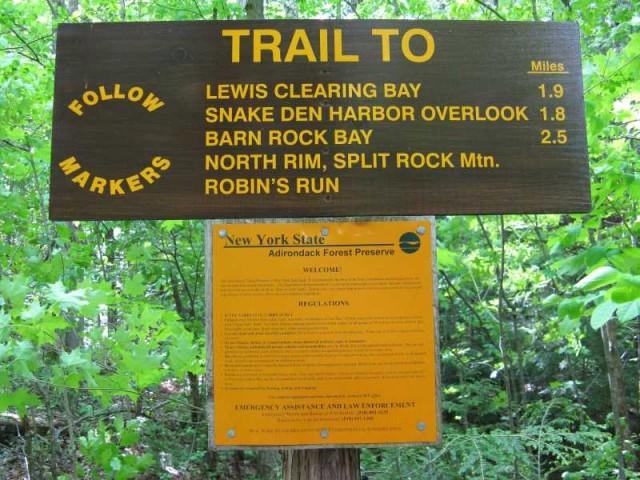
(73, 299)
(602, 314)
(600, 277)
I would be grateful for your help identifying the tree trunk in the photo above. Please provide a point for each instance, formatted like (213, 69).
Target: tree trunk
(267, 464)
(237, 461)
(323, 464)
(194, 392)
(254, 9)
(617, 392)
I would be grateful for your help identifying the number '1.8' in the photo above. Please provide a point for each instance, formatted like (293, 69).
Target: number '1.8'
(558, 114)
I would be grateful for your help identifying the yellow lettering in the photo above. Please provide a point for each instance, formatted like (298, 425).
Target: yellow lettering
(260, 44)
(69, 165)
(90, 98)
(134, 183)
(235, 35)
(115, 186)
(429, 45)
(338, 52)
(81, 179)
(135, 94)
(211, 138)
(300, 46)
(117, 94)
(103, 94)
(317, 185)
(152, 102)
(98, 184)
(161, 163)
(324, 45)
(385, 35)
(76, 107)
(149, 174)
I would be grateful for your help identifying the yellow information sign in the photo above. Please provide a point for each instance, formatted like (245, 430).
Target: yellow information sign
(324, 334)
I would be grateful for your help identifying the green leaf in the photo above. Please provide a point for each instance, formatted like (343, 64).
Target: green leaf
(625, 293)
(149, 317)
(602, 314)
(136, 253)
(627, 261)
(65, 378)
(628, 311)
(183, 355)
(600, 277)
(143, 365)
(118, 423)
(41, 330)
(4, 326)
(129, 437)
(50, 324)
(109, 386)
(169, 225)
(74, 299)
(72, 359)
(33, 312)
(26, 358)
(19, 399)
(568, 326)
(570, 307)
(4, 379)
(594, 254)
(115, 464)
(15, 290)
(446, 258)
(5, 351)
(97, 295)
(572, 234)
(134, 286)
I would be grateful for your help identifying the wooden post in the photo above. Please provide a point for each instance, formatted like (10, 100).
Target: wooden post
(322, 464)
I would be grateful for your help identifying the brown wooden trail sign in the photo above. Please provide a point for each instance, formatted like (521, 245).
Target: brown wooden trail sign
(317, 118)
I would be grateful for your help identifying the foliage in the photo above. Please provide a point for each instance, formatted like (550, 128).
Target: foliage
(101, 324)
(104, 451)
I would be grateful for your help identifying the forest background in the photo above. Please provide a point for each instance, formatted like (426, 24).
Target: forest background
(102, 323)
